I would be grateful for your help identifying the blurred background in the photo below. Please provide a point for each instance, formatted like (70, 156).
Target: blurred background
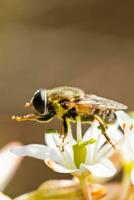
(87, 44)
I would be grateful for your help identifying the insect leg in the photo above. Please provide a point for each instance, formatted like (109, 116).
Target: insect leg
(65, 125)
(29, 117)
(72, 113)
(33, 117)
(46, 118)
(103, 129)
(63, 132)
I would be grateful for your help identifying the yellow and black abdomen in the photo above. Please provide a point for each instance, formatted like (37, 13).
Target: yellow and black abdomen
(85, 112)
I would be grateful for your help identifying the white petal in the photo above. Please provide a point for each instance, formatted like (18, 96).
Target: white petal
(107, 150)
(90, 131)
(129, 138)
(99, 142)
(8, 164)
(65, 157)
(132, 176)
(117, 138)
(56, 155)
(125, 152)
(102, 169)
(32, 150)
(70, 137)
(98, 136)
(130, 144)
(52, 139)
(114, 132)
(68, 159)
(61, 157)
(90, 154)
(4, 197)
(123, 117)
(57, 167)
(95, 133)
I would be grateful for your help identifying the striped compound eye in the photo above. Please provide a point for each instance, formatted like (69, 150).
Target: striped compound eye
(39, 101)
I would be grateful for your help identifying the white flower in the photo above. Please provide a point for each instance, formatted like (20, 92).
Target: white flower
(8, 165)
(89, 154)
(127, 125)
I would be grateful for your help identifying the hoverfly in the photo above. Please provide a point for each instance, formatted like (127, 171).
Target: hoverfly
(71, 104)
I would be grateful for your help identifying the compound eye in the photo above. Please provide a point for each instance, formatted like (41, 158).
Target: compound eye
(39, 101)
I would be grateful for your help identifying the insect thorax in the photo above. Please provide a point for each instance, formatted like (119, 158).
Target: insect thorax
(59, 110)
(65, 93)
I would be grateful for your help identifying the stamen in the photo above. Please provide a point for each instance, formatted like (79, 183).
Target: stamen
(79, 131)
(124, 125)
(62, 143)
(131, 126)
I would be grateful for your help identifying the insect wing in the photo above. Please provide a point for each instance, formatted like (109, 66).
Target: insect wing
(101, 103)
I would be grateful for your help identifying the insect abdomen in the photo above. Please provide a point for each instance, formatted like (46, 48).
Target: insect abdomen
(87, 118)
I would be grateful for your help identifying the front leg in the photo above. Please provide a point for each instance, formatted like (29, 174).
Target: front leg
(64, 126)
(29, 117)
(33, 117)
(70, 114)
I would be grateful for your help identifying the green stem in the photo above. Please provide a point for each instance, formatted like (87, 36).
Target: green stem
(125, 187)
(125, 183)
(85, 188)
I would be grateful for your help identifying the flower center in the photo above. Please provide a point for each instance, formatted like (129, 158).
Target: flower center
(80, 151)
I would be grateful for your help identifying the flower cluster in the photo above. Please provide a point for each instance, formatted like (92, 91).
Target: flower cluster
(88, 157)
(88, 154)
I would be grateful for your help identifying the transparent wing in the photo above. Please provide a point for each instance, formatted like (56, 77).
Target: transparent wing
(100, 102)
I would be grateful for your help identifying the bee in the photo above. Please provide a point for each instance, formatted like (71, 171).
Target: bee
(71, 104)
